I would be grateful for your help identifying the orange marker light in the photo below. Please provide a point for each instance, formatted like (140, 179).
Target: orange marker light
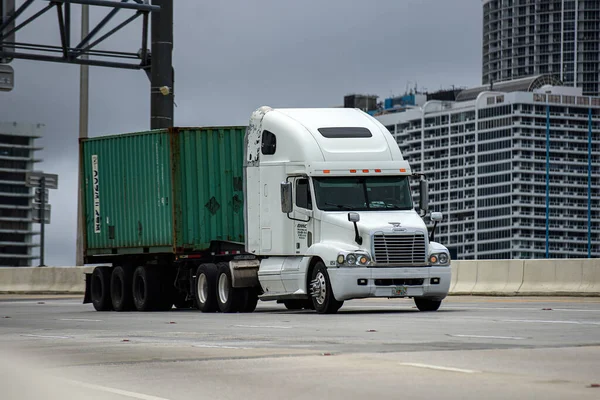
(366, 171)
(352, 171)
(377, 170)
(402, 169)
(326, 171)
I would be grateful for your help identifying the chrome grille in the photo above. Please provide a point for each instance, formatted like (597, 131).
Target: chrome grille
(399, 249)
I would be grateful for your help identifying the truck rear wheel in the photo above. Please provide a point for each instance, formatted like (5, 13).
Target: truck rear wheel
(424, 304)
(101, 288)
(321, 291)
(121, 292)
(145, 288)
(229, 299)
(206, 288)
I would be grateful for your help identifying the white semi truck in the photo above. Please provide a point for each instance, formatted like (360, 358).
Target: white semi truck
(328, 216)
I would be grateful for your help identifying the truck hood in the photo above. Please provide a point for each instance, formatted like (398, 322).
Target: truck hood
(378, 221)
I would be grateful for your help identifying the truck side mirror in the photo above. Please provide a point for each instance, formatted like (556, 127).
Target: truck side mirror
(437, 216)
(424, 195)
(287, 202)
(353, 217)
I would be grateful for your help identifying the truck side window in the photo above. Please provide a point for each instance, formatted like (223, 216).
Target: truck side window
(303, 199)
(269, 143)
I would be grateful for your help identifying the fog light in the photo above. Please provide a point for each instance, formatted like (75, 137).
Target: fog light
(435, 281)
(362, 282)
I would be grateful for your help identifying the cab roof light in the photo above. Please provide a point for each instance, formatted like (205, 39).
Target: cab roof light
(352, 171)
(402, 169)
(366, 171)
(377, 170)
(326, 171)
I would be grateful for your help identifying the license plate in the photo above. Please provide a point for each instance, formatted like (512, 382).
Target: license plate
(399, 291)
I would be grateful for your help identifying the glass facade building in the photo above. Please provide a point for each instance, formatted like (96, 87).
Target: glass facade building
(517, 175)
(17, 150)
(532, 37)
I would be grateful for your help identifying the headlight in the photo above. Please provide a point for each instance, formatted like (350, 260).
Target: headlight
(439, 259)
(360, 258)
(443, 258)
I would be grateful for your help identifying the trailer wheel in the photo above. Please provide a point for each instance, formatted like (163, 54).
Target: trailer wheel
(424, 304)
(101, 288)
(145, 288)
(229, 299)
(321, 291)
(121, 292)
(250, 299)
(206, 288)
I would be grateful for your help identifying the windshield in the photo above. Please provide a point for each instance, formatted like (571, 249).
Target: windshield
(363, 193)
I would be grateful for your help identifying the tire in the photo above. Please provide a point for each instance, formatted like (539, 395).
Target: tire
(250, 299)
(146, 289)
(206, 288)
(293, 304)
(229, 299)
(121, 288)
(101, 288)
(424, 304)
(321, 292)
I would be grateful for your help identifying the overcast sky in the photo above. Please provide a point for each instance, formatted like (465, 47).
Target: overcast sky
(233, 56)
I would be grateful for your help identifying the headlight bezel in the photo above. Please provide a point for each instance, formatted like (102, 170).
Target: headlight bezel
(358, 259)
(439, 258)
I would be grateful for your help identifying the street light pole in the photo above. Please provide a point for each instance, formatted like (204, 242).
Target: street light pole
(83, 132)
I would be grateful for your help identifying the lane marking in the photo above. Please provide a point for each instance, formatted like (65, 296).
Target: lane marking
(115, 391)
(540, 321)
(48, 336)
(490, 337)
(81, 320)
(264, 326)
(218, 346)
(440, 368)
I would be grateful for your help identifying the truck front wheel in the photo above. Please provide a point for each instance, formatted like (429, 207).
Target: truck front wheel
(424, 304)
(321, 291)
(101, 288)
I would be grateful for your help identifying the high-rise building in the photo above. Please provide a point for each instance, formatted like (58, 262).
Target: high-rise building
(16, 158)
(532, 37)
(516, 174)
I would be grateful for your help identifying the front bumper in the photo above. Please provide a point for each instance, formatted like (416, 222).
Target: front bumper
(383, 282)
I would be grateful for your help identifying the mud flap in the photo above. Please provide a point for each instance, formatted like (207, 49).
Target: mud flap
(87, 297)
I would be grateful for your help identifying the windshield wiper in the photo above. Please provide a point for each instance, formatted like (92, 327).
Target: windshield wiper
(340, 206)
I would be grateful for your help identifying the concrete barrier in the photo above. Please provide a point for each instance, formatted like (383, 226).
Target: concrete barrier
(454, 276)
(590, 277)
(572, 277)
(498, 277)
(466, 278)
(43, 280)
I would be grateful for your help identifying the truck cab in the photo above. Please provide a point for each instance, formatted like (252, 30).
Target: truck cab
(329, 212)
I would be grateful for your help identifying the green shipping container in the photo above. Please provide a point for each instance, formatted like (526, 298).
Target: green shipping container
(163, 191)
